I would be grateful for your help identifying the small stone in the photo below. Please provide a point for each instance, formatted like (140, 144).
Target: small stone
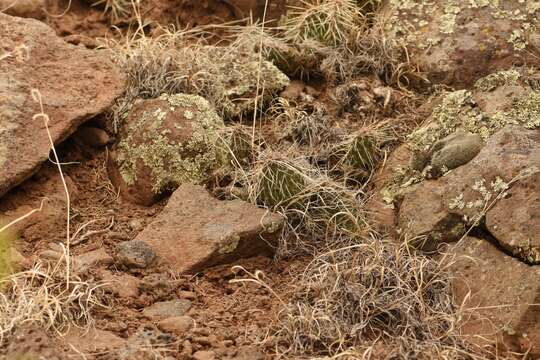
(190, 295)
(204, 355)
(124, 286)
(93, 137)
(293, 90)
(167, 309)
(94, 258)
(178, 325)
(455, 150)
(135, 253)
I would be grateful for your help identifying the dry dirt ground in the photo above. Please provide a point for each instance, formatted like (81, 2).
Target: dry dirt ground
(233, 307)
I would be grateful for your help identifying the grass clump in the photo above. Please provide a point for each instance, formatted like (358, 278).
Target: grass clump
(117, 8)
(48, 296)
(350, 299)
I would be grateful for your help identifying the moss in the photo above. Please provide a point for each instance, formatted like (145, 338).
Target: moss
(171, 162)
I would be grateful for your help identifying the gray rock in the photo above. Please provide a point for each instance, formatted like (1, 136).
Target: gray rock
(454, 150)
(135, 253)
(167, 309)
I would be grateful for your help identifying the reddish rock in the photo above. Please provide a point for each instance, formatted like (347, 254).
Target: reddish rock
(167, 309)
(93, 137)
(93, 259)
(501, 182)
(178, 325)
(124, 286)
(499, 295)
(195, 230)
(75, 84)
(457, 42)
(24, 8)
(94, 340)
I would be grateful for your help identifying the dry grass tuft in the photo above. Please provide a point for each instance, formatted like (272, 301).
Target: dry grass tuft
(351, 299)
(46, 297)
(116, 8)
(320, 211)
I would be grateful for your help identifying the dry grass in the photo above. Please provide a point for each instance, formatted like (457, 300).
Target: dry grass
(45, 297)
(372, 297)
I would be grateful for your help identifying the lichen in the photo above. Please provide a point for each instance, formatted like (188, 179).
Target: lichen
(171, 162)
(493, 81)
(408, 20)
(244, 81)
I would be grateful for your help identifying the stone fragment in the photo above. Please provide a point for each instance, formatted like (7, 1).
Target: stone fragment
(167, 309)
(195, 230)
(135, 253)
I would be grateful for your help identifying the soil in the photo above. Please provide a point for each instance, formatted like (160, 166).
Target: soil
(229, 316)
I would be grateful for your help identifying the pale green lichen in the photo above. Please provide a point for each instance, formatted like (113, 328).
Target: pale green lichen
(149, 142)
(493, 81)
(527, 110)
(244, 81)
(408, 20)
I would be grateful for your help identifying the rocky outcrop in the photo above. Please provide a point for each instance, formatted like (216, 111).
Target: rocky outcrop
(75, 84)
(457, 42)
(165, 142)
(195, 231)
(500, 185)
(499, 295)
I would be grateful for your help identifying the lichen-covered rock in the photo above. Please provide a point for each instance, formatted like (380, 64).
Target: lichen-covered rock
(499, 187)
(242, 81)
(195, 231)
(456, 42)
(165, 142)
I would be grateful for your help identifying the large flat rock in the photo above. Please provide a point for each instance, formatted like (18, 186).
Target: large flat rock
(195, 230)
(499, 295)
(75, 84)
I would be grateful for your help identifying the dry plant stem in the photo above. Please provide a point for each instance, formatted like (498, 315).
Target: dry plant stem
(258, 77)
(7, 226)
(36, 95)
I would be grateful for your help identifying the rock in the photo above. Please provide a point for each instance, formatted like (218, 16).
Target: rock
(293, 91)
(195, 231)
(453, 151)
(93, 137)
(167, 309)
(244, 80)
(456, 42)
(75, 84)
(94, 340)
(178, 325)
(24, 8)
(501, 295)
(135, 253)
(501, 182)
(92, 259)
(248, 353)
(204, 355)
(159, 285)
(165, 142)
(124, 286)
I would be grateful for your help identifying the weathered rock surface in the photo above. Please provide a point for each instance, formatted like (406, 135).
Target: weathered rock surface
(167, 309)
(501, 182)
(501, 295)
(456, 42)
(95, 340)
(135, 253)
(24, 8)
(178, 325)
(75, 84)
(165, 142)
(195, 231)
